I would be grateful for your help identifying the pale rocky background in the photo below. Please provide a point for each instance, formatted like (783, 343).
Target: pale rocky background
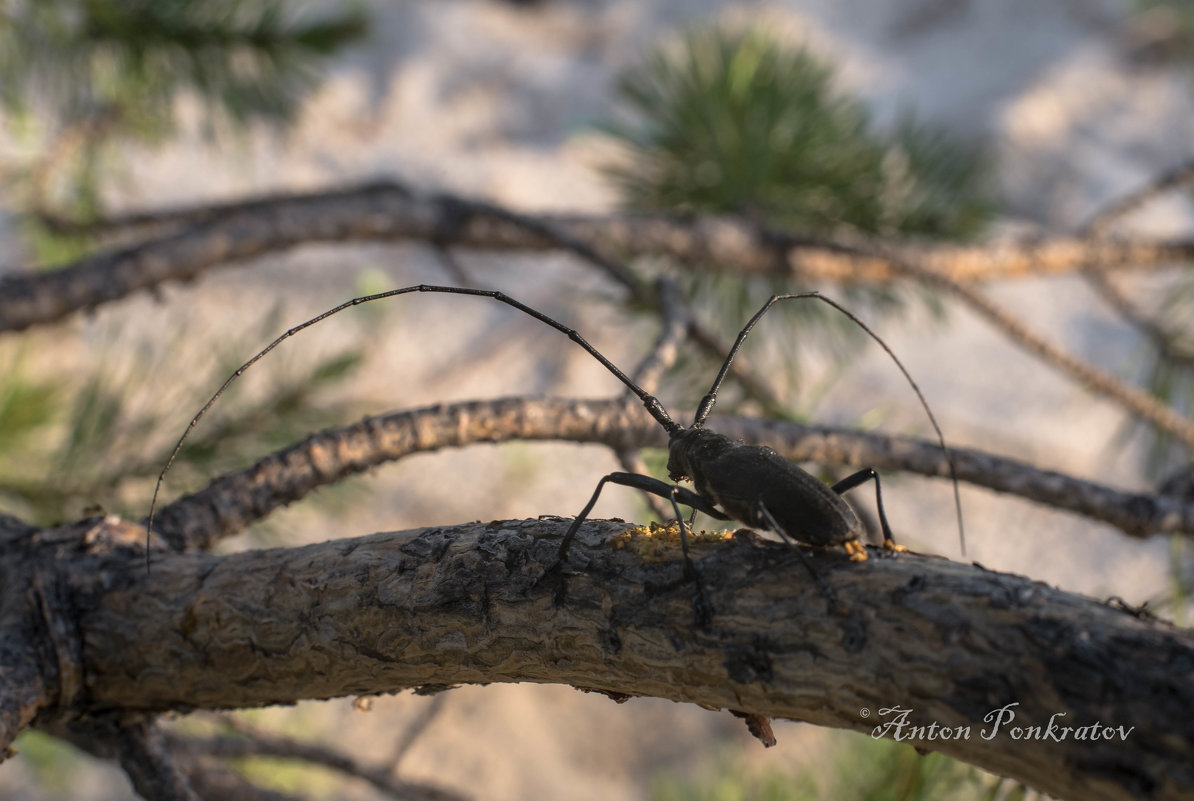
(496, 102)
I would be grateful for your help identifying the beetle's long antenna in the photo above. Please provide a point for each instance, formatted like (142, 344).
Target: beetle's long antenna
(710, 398)
(652, 403)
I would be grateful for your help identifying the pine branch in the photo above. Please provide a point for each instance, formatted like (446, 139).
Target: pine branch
(388, 212)
(384, 211)
(455, 605)
(230, 503)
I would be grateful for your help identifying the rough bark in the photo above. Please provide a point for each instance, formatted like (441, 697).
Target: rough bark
(33, 642)
(952, 643)
(223, 236)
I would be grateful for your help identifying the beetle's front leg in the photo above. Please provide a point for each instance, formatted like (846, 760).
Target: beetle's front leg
(676, 494)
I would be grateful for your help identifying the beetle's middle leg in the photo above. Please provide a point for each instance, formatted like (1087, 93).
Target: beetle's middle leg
(701, 605)
(850, 482)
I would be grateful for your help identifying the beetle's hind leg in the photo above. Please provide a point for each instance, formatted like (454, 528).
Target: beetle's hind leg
(826, 590)
(850, 482)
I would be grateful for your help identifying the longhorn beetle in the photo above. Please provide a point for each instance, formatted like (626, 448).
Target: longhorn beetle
(750, 483)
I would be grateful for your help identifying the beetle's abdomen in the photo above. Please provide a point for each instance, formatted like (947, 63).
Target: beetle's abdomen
(742, 477)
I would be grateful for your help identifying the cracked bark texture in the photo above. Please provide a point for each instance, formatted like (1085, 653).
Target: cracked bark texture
(452, 605)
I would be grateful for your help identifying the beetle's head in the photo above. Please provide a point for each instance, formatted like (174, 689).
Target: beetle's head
(679, 453)
(690, 449)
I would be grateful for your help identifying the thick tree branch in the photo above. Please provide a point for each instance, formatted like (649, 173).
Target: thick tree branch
(33, 642)
(950, 642)
(234, 501)
(223, 236)
(23, 689)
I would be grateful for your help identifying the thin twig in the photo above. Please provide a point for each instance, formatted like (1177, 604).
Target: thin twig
(755, 385)
(650, 370)
(256, 742)
(73, 138)
(662, 355)
(676, 313)
(1161, 339)
(415, 729)
(137, 743)
(151, 767)
(214, 783)
(1101, 221)
(1141, 404)
(452, 265)
(1098, 226)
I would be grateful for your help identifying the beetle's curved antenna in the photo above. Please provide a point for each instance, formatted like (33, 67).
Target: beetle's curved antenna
(652, 403)
(710, 398)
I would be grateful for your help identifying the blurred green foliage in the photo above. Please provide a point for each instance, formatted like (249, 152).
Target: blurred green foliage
(73, 442)
(737, 123)
(80, 76)
(51, 761)
(859, 769)
(1173, 22)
